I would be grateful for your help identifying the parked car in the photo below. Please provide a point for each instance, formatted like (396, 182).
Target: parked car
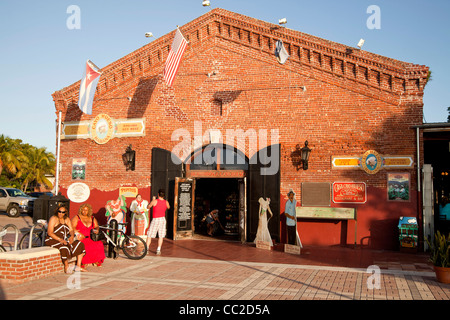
(38, 194)
(14, 202)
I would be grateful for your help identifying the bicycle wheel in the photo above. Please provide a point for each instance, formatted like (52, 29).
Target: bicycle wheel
(37, 241)
(134, 247)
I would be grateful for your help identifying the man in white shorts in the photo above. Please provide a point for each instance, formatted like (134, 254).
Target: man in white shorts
(158, 224)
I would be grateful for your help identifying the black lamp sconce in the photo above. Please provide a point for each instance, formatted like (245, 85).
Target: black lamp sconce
(305, 155)
(129, 158)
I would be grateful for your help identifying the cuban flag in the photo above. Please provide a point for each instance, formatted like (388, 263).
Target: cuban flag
(88, 86)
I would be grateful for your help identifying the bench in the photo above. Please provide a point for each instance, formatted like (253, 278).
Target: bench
(29, 264)
(327, 213)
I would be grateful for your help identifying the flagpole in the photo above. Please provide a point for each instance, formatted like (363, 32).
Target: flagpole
(57, 155)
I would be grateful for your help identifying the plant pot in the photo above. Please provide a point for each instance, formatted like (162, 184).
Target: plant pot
(442, 274)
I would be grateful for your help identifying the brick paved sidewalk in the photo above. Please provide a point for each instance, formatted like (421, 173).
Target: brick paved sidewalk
(171, 278)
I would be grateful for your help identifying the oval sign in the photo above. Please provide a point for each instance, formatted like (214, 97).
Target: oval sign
(78, 192)
(102, 129)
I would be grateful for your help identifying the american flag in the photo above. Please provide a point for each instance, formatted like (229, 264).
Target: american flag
(173, 60)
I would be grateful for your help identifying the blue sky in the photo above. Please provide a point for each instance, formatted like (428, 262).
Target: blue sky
(40, 54)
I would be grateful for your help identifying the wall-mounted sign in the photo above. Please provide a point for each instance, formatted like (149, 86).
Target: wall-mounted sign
(398, 186)
(346, 162)
(349, 192)
(372, 162)
(103, 128)
(78, 169)
(128, 192)
(78, 192)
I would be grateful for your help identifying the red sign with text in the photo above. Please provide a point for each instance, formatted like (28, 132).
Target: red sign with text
(349, 192)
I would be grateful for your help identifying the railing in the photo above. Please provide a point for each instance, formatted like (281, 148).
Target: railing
(4, 232)
(43, 225)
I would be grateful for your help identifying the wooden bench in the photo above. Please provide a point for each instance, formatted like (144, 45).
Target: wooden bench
(328, 213)
(29, 264)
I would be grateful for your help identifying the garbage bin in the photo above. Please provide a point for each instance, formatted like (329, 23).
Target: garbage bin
(54, 202)
(40, 208)
(408, 232)
(44, 206)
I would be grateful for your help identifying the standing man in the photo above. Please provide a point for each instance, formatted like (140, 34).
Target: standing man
(291, 219)
(158, 224)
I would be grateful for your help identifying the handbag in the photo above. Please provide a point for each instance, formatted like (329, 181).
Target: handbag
(97, 236)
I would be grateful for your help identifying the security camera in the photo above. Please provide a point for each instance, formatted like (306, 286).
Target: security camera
(148, 34)
(282, 21)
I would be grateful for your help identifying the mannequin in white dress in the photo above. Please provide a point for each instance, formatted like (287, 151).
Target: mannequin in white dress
(263, 233)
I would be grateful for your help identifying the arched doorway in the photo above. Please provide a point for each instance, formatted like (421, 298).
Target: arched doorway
(219, 175)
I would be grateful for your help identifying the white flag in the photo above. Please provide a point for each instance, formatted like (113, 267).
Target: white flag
(280, 52)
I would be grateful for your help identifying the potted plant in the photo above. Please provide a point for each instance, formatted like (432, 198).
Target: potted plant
(440, 256)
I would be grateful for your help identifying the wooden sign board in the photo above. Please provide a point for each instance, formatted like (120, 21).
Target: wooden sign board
(263, 245)
(316, 193)
(289, 248)
(326, 213)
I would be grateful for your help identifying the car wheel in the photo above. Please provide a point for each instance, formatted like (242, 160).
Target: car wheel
(13, 211)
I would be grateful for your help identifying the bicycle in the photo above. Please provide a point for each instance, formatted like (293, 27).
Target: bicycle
(38, 236)
(134, 247)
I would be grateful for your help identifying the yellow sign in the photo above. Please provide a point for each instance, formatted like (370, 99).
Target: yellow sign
(128, 192)
(345, 162)
(372, 162)
(398, 161)
(103, 128)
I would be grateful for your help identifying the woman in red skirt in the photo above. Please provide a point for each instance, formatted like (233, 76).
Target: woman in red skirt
(84, 222)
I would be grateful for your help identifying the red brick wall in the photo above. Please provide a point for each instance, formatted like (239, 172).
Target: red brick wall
(352, 103)
(22, 270)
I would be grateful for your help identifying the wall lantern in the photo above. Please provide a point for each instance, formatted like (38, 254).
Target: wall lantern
(128, 158)
(305, 155)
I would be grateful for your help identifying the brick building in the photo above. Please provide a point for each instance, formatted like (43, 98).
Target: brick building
(351, 106)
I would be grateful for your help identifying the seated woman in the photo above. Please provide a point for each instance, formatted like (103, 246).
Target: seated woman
(60, 235)
(84, 222)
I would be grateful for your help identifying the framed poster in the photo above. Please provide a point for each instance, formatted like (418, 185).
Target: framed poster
(78, 169)
(398, 186)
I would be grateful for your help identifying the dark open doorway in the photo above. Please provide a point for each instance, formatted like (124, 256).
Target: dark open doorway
(221, 194)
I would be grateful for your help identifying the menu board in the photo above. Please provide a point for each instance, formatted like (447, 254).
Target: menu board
(184, 212)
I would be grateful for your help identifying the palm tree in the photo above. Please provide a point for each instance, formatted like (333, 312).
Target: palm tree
(11, 158)
(40, 163)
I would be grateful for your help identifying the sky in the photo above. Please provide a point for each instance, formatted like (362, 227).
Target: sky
(45, 44)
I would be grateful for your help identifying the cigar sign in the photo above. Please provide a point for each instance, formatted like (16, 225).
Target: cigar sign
(349, 192)
(103, 128)
(372, 162)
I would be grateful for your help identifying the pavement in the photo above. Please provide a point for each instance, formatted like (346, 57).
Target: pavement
(208, 270)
